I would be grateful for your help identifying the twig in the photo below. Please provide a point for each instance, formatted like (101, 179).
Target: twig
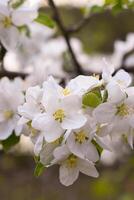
(66, 36)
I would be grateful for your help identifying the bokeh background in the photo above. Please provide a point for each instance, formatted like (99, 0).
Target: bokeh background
(116, 180)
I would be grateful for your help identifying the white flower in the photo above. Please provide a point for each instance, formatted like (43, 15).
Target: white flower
(11, 97)
(10, 20)
(33, 105)
(60, 114)
(119, 114)
(71, 165)
(81, 84)
(115, 93)
(46, 151)
(77, 86)
(122, 78)
(79, 143)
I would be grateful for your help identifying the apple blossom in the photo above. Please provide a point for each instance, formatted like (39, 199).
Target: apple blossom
(10, 21)
(60, 114)
(71, 165)
(11, 97)
(79, 143)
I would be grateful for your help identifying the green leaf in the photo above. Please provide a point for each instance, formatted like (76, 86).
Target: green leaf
(10, 142)
(92, 99)
(98, 147)
(45, 20)
(39, 169)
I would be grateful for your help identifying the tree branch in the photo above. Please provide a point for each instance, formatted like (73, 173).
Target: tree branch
(66, 36)
(12, 75)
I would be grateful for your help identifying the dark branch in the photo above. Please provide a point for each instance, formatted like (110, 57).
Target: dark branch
(66, 36)
(12, 75)
(2, 55)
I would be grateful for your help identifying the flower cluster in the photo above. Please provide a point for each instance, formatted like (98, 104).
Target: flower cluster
(70, 126)
(12, 19)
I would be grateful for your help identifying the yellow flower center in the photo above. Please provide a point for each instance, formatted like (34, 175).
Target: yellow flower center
(81, 137)
(71, 161)
(66, 91)
(58, 141)
(122, 110)
(8, 114)
(59, 115)
(7, 22)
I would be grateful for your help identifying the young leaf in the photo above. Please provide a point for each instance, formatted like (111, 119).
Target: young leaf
(39, 169)
(92, 99)
(10, 142)
(45, 20)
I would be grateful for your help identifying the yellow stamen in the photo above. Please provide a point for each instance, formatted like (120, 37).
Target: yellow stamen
(66, 91)
(58, 141)
(7, 22)
(81, 137)
(71, 161)
(59, 115)
(122, 110)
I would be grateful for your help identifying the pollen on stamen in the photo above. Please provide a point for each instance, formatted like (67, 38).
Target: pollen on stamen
(7, 22)
(71, 161)
(123, 110)
(59, 115)
(66, 91)
(81, 137)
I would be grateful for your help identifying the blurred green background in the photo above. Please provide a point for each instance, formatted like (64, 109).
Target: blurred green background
(102, 30)
(18, 183)
(115, 183)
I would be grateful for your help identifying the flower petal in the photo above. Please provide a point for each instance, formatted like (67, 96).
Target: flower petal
(68, 175)
(104, 113)
(51, 128)
(123, 78)
(22, 17)
(73, 121)
(88, 168)
(38, 145)
(9, 37)
(115, 93)
(6, 130)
